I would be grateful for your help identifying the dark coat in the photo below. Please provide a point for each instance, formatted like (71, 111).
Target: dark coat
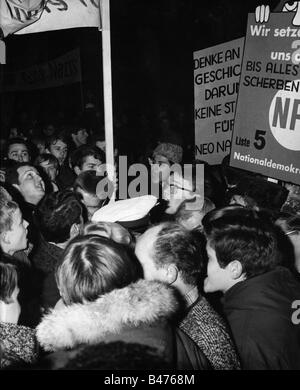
(18, 344)
(65, 177)
(45, 259)
(259, 311)
(138, 314)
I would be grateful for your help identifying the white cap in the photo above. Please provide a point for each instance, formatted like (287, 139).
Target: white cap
(125, 210)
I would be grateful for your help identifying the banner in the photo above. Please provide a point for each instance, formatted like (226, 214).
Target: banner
(60, 71)
(266, 137)
(62, 14)
(17, 14)
(216, 81)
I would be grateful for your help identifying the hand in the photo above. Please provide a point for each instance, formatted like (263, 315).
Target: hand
(262, 13)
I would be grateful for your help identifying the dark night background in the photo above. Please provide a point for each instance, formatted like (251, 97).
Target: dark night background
(152, 44)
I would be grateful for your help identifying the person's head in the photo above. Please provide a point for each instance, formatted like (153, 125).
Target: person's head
(13, 228)
(241, 244)
(165, 155)
(192, 218)
(170, 253)
(17, 149)
(59, 216)
(49, 163)
(9, 305)
(93, 266)
(40, 143)
(93, 198)
(290, 224)
(189, 187)
(98, 140)
(111, 230)
(48, 129)
(79, 133)
(57, 145)
(25, 178)
(237, 197)
(87, 158)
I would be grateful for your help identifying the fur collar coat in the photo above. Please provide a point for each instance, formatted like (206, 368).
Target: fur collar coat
(141, 305)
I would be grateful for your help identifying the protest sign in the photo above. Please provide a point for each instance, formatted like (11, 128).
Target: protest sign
(266, 137)
(216, 82)
(17, 14)
(60, 71)
(62, 14)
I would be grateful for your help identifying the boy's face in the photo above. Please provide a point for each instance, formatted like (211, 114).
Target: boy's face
(59, 150)
(18, 152)
(31, 184)
(218, 279)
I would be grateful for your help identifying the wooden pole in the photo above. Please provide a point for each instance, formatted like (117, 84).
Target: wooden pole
(107, 89)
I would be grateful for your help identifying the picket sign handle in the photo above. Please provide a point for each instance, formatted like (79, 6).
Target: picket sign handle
(107, 89)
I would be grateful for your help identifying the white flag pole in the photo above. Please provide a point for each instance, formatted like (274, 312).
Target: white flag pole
(107, 89)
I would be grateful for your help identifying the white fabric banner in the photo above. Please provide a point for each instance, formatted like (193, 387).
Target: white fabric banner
(62, 14)
(56, 73)
(17, 14)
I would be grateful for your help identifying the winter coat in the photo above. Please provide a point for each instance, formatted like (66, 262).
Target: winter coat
(259, 312)
(46, 258)
(18, 345)
(138, 313)
(209, 331)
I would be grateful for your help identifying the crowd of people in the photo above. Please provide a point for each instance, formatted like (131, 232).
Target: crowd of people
(200, 278)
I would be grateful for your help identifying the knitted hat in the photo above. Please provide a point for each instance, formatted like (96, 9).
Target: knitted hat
(171, 151)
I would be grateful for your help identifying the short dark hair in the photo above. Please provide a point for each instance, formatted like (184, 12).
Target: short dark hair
(61, 136)
(8, 281)
(93, 266)
(246, 235)
(12, 174)
(16, 140)
(79, 155)
(88, 182)
(186, 249)
(56, 214)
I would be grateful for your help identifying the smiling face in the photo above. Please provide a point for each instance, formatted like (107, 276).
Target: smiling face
(18, 152)
(31, 184)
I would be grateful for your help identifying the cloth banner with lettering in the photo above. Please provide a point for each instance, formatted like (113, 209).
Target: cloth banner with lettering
(58, 72)
(216, 81)
(17, 14)
(63, 14)
(266, 136)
